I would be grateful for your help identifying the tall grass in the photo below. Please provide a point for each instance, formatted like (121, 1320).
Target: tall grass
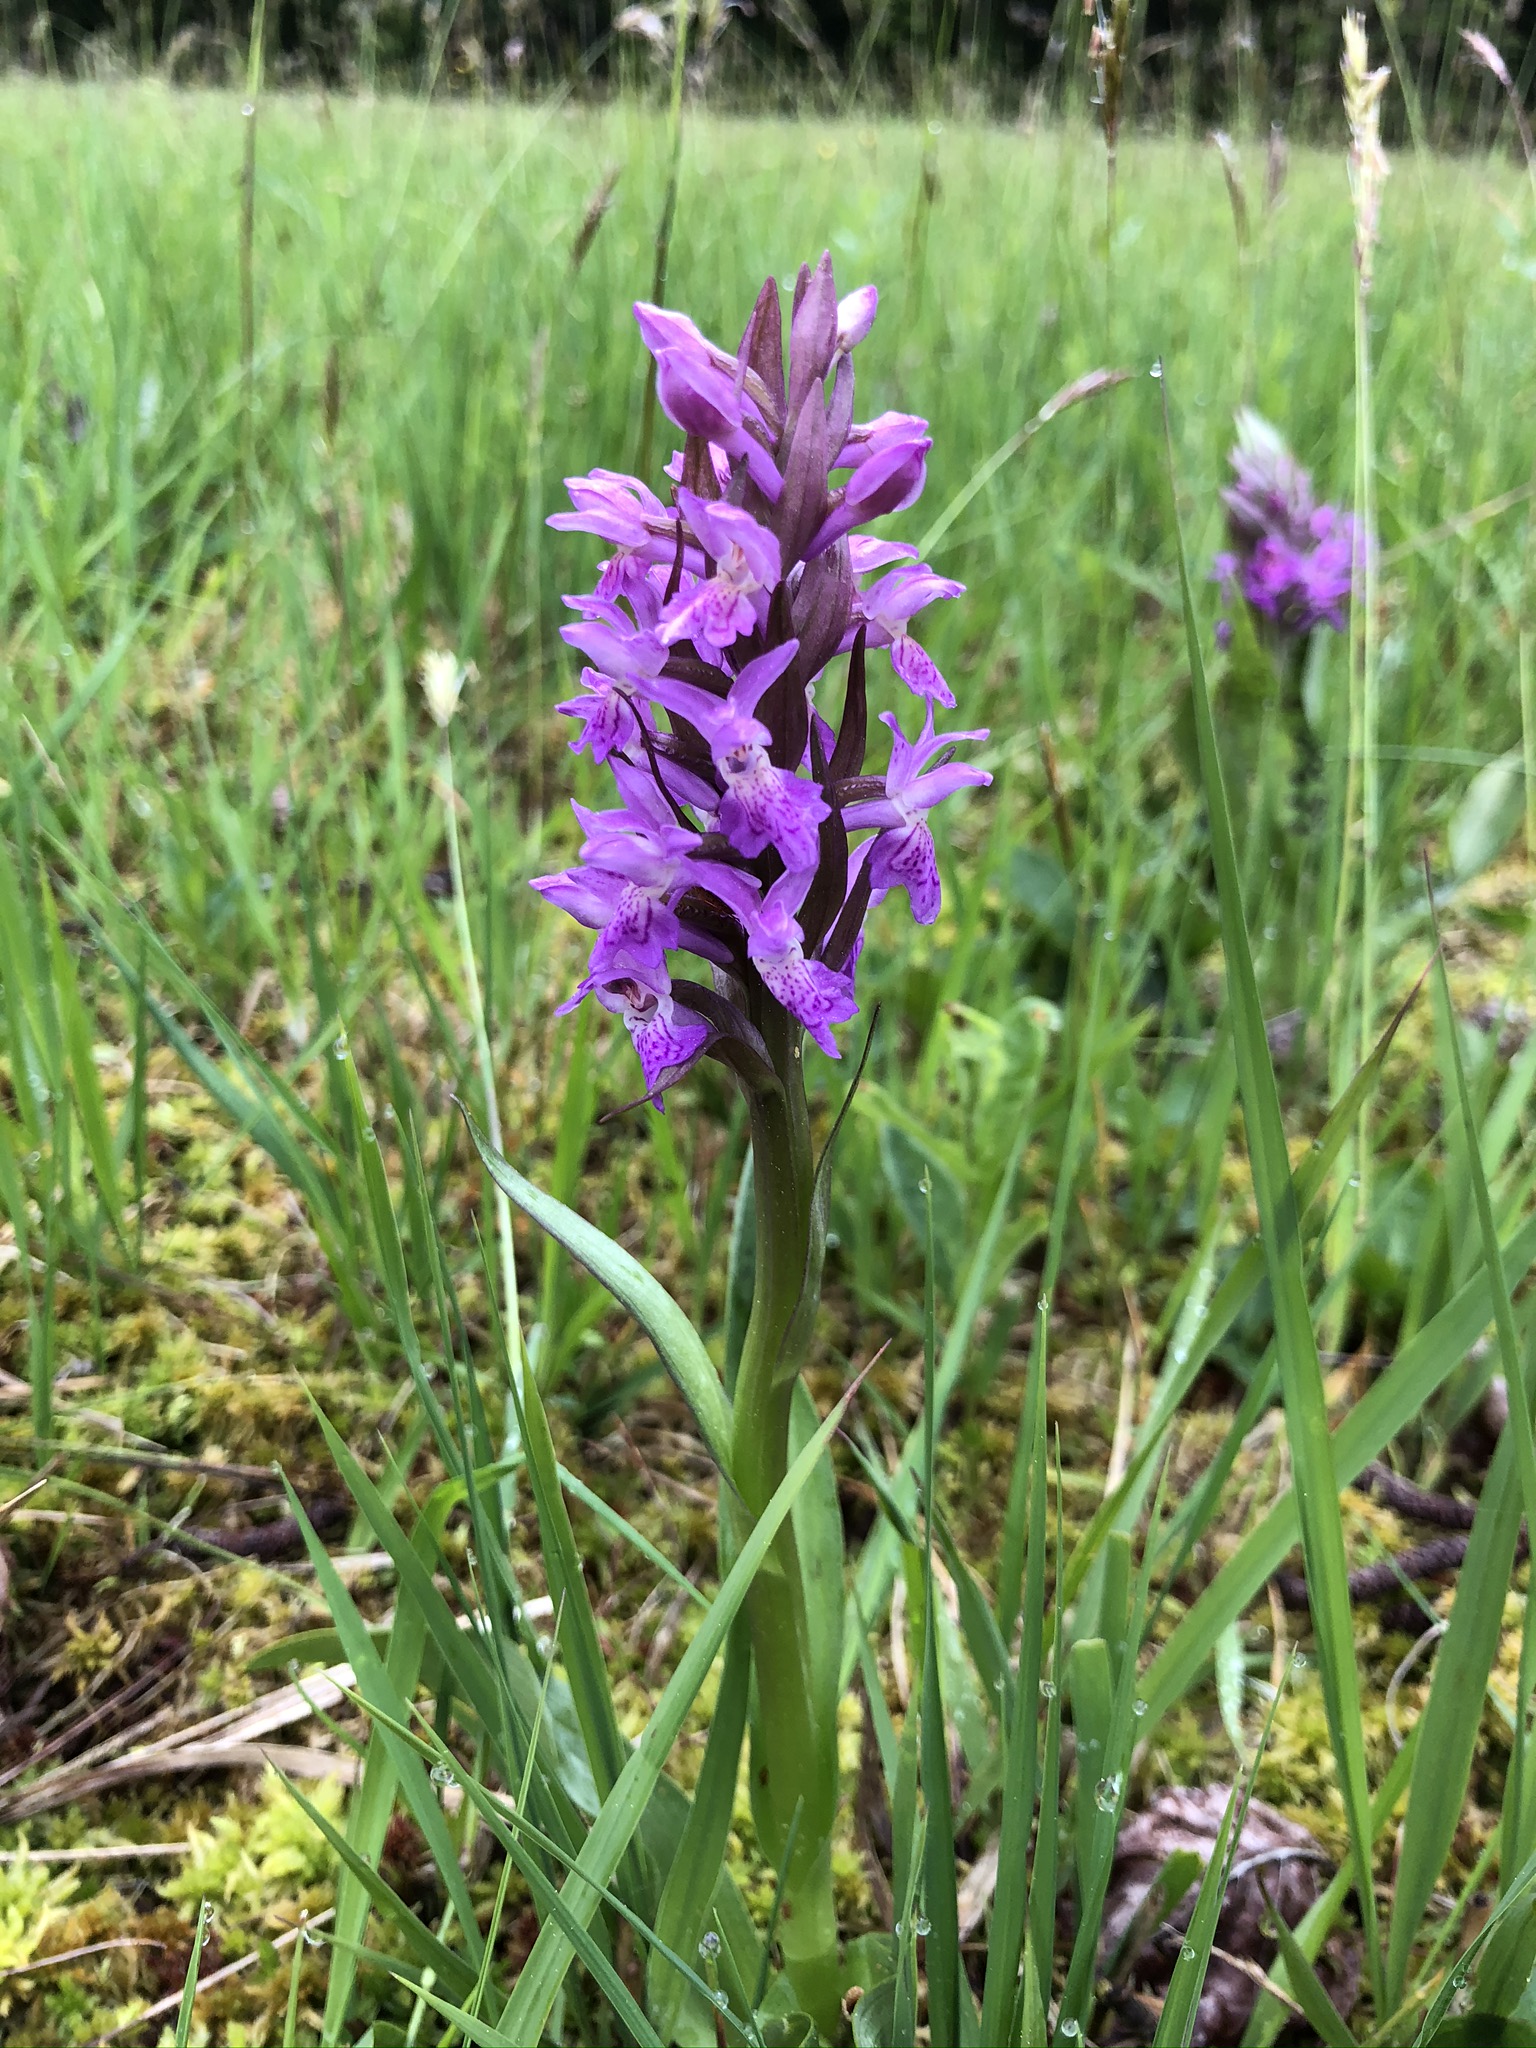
(268, 443)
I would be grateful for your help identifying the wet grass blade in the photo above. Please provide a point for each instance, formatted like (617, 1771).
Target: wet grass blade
(1301, 1377)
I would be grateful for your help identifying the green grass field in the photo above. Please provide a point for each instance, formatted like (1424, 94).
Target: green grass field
(248, 484)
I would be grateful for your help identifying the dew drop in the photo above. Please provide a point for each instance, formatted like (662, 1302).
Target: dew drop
(1157, 369)
(340, 1047)
(293, 1667)
(898, 1930)
(722, 1999)
(709, 1945)
(1043, 1305)
(313, 1938)
(1271, 932)
(1047, 1689)
(1187, 1953)
(922, 1927)
(1459, 1980)
(442, 1774)
(1070, 2030)
(1106, 1793)
(205, 1915)
(1139, 1709)
(247, 111)
(1109, 933)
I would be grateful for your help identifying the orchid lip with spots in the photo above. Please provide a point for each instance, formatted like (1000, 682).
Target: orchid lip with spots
(749, 834)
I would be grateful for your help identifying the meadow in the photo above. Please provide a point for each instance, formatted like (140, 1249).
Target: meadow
(1162, 1253)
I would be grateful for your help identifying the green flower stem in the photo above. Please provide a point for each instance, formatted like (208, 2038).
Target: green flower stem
(794, 1736)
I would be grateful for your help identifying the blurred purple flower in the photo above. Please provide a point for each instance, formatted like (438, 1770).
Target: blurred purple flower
(1290, 558)
(711, 625)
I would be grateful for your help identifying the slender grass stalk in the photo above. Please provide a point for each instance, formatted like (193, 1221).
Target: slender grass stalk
(253, 77)
(668, 219)
(1363, 89)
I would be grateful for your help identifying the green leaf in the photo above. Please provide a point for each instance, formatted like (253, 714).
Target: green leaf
(1175, 2024)
(587, 1674)
(1301, 1377)
(683, 1913)
(677, 1343)
(1484, 822)
(189, 1986)
(874, 2017)
(387, 1690)
(906, 1165)
(538, 1984)
(1453, 1710)
(1322, 2014)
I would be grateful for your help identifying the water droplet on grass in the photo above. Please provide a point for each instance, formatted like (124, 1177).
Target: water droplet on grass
(1139, 1709)
(922, 1927)
(1187, 1953)
(709, 1945)
(340, 1047)
(1106, 1794)
(442, 1774)
(1047, 1689)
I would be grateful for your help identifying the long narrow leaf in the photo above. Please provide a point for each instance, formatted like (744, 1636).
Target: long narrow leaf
(678, 1344)
(1301, 1376)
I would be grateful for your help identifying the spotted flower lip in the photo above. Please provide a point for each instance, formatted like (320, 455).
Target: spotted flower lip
(733, 600)
(747, 832)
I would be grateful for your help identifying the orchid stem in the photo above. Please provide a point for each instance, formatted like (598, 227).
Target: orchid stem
(794, 1732)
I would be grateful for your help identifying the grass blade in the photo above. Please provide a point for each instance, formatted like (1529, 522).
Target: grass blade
(1301, 1376)
(528, 2009)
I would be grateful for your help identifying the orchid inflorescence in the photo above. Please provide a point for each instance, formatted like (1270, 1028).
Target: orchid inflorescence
(733, 839)
(1291, 558)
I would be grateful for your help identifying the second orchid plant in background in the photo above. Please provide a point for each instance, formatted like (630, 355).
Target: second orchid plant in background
(750, 838)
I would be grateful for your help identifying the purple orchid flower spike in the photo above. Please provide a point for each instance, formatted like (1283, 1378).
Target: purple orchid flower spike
(1292, 560)
(903, 856)
(747, 832)
(719, 609)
